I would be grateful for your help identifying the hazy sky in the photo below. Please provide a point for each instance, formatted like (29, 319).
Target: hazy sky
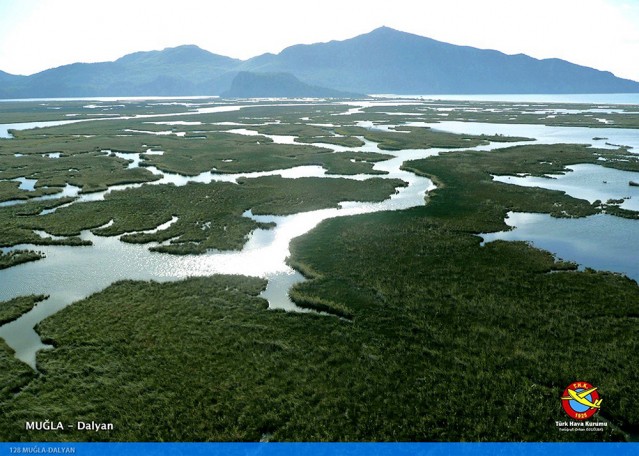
(40, 34)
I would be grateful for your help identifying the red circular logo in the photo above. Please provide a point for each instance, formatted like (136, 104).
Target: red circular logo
(581, 400)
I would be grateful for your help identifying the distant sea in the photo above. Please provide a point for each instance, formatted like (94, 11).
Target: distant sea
(597, 98)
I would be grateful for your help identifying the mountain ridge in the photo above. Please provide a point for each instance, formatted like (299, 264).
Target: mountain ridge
(430, 66)
(384, 60)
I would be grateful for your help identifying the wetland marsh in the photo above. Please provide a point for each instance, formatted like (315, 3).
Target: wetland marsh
(154, 252)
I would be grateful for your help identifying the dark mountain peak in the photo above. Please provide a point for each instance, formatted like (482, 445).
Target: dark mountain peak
(384, 43)
(387, 31)
(187, 50)
(185, 47)
(380, 32)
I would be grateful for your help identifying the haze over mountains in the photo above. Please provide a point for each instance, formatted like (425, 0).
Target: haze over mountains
(247, 84)
(382, 61)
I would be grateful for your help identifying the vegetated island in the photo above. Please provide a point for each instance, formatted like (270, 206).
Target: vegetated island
(13, 309)
(16, 257)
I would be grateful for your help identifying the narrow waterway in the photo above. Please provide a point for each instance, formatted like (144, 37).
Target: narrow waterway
(68, 274)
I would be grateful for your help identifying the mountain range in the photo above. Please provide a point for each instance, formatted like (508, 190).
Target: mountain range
(382, 61)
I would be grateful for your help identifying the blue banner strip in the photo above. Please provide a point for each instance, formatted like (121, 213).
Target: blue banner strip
(320, 449)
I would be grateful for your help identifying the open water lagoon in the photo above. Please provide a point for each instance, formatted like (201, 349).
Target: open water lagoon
(601, 241)
(587, 181)
(612, 138)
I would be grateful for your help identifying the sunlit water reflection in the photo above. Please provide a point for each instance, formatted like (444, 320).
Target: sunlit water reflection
(68, 274)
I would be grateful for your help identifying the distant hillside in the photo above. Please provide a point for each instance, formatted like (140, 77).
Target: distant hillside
(382, 61)
(7, 77)
(279, 85)
(7, 81)
(390, 61)
(184, 70)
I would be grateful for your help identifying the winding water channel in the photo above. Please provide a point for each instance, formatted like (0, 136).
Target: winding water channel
(68, 274)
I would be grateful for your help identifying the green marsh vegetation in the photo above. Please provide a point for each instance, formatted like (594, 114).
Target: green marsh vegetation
(345, 141)
(87, 162)
(251, 115)
(308, 133)
(445, 328)
(550, 114)
(84, 156)
(14, 228)
(491, 329)
(614, 120)
(441, 338)
(10, 190)
(614, 209)
(232, 153)
(16, 257)
(13, 309)
(19, 112)
(471, 194)
(422, 138)
(209, 215)
(14, 375)
(91, 171)
(53, 110)
(484, 329)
